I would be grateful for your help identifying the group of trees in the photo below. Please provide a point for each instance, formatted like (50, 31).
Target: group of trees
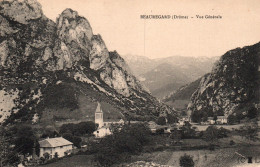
(185, 132)
(124, 142)
(73, 132)
(79, 129)
(250, 131)
(19, 139)
(170, 119)
(213, 133)
(22, 139)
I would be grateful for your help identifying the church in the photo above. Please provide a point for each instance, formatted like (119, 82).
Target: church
(103, 126)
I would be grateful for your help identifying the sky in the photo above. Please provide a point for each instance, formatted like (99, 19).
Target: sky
(122, 29)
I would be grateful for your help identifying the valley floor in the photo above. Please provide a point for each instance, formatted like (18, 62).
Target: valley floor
(73, 161)
(224, 157)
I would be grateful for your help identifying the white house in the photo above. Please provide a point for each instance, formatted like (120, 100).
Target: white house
(103, 131)
(181, 122)
(211, 120)
(222, 120)
(103, 126)
(57, 145)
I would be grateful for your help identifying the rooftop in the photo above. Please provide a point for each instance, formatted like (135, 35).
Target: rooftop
(98, 109)
(54, 142)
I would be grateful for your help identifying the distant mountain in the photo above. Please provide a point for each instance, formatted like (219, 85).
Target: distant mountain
(232, 87)
(58, 71)
(163, 79)
(139, 64)
(169, 73)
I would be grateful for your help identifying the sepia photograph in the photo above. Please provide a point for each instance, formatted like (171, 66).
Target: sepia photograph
(129, 83)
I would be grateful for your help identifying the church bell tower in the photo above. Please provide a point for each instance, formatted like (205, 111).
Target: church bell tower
(99, 116)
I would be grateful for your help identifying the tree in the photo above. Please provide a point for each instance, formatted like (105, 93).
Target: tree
(159, 131)
(119, 146)
(77, 141)
(46, 155)
(222, 132)
(56, 155)
(50, 132)
(68, 136)
(215, 118)
(67, 128)
(211, 134)
(3, 148)
(74, 139)
(161, 121)
(79, 129)
(24, 139)
(89, 127)
(250, 131)
(186, 161)
(175, 135)
(171, 119)
(187, 131)
(196, 116)
(252, 113)
(232, 119)
(8, 155)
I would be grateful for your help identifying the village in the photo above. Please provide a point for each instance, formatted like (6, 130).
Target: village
(53, 148)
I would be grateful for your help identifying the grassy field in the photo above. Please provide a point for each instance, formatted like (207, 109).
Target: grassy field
(74, 161)
(229, 127)
(225, 157)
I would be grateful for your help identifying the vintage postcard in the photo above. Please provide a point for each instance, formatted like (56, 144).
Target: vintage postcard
(129, 83)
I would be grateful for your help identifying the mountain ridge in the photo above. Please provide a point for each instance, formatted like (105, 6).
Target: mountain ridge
(48, 66)
(231, 88)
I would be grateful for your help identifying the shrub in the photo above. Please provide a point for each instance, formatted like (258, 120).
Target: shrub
(56, 155)
(159, 131)
(213, 133)
(187, 131)
(161, 121)
(186, 161)
(232, 119)
(211, 147)
(232, 143)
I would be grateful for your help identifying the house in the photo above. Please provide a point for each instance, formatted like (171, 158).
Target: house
(211, 120)
(102, 132)
(57, 145)
(222, 120)
(154, 127)
(186, 118)
(104, 126)
(181, 122)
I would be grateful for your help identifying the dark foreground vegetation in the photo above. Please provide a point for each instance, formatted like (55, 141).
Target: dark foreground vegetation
(127, 142)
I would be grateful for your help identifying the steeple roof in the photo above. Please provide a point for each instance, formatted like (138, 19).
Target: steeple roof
(99, 110)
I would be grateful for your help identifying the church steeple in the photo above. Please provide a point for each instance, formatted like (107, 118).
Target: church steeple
(99, 116)
(98, 109)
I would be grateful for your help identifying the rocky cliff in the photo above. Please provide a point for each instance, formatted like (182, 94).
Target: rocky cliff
(63, 69)
(231, 87)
